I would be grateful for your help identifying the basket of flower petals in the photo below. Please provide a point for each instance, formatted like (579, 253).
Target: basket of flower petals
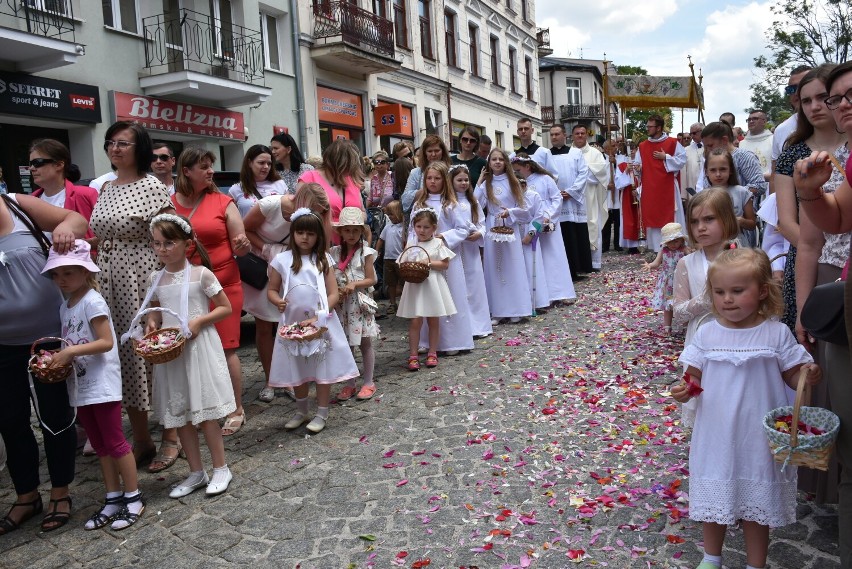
(502, 233)
(160, 346)
(40, 362)
(811, 441)
(299, 332)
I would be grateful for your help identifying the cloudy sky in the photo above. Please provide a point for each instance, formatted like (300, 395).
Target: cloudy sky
(722, 37)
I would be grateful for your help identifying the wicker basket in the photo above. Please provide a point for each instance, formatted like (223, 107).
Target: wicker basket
(414, 271)
(812, 451)
(163, 355)
(47, 374)
(282, 333)
(502, 233)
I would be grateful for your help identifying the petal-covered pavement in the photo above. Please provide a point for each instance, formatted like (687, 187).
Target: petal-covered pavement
(553, 444)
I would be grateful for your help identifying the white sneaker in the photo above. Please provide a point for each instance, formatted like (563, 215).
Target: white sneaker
(185, 488)
(217, 486)
(451, 353)
(514, 320)
(495, 321)
(316, 425)
(295, 422)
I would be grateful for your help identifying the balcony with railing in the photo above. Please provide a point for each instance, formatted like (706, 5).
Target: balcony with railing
(542, 36)
(547, 116)
(198, 56)
(351, 40)
(588, 113)
(37, 35)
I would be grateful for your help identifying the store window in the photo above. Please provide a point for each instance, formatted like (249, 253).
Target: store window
(121, 15)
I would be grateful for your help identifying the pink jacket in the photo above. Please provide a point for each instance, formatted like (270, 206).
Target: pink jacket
(78, 198)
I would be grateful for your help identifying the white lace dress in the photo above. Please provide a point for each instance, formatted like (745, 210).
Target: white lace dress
(732, 472)
(195, 386)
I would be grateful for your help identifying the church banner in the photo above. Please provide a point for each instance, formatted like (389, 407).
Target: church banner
(643, 91)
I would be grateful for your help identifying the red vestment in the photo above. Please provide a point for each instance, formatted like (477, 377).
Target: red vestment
(658, 185)
(629, 210)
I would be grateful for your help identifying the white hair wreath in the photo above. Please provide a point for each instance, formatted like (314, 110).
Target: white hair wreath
(429, 209)
(299, 213)
(179, 221)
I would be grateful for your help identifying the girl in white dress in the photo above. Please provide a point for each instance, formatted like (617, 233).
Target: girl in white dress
(470, 251)
(742, 361)
(557, 272)
(356, 276)
(721, 172)
(712, 222)
(195, 388)
(303, 287)
(431, 298)
(453, 229)
(536, 272)
(500, 195)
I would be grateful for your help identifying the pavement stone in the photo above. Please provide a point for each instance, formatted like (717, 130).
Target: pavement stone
(456, 466)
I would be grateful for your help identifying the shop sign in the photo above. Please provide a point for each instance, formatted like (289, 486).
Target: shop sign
(393, 119)
(339, 107)
(48, 98)
(180, 118)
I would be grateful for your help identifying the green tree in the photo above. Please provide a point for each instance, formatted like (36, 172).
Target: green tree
(803, 32)
(636, 119)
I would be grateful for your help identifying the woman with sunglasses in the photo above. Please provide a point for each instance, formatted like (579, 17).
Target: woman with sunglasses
(832, 213)
(382, 182)
(258, 179)
(50, 163)
(468, 145)
(120, 221)
(289, 161)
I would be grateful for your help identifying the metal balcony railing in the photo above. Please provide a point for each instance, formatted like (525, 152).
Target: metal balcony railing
(48, 18)
(547, 116)
(570, 112)
(176, 43)
(356, 26)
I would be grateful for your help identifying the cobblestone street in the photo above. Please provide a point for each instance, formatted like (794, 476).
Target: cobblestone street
(553, 443)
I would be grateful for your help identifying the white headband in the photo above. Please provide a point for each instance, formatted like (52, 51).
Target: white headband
(179, 221)
(299, 213)
(455, 167)
(429, 209)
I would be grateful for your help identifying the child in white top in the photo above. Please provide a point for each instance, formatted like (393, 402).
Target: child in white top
(453, 228)
(95, 386)
(194, 388)
(431, 298)
(303, 287)
(356, 276)
(390, 243)
(742, 362)
(711, 219)
(673, 250)
(722, 173)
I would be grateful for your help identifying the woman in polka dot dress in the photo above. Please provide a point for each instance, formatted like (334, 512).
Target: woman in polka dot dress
(120, 221)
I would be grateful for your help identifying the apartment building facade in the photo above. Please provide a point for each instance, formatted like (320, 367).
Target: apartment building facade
(380, 71)
(212, 73)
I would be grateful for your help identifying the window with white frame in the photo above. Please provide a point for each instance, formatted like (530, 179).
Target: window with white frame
(61, 7)
(473, 48)
(121, 15)
(573, 87)
(494, 44)
(275, 52)
(452, 43)
(223, 27)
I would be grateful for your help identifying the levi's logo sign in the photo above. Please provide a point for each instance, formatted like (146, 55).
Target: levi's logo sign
(82, 102)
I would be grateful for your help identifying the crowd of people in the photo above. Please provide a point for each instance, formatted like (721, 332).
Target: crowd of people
(497, 236)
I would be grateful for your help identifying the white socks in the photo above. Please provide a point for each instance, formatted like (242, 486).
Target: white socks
(194, 478)
(302, 406)
(322, 412)
(714, 559)
(220, 475)
(109, 510)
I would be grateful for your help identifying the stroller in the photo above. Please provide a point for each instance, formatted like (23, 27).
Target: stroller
(376, 221)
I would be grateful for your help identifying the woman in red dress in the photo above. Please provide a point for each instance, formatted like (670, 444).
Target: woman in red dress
(218, 225)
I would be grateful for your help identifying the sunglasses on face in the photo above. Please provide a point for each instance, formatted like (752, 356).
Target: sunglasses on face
(162, 157)
(380, 162)
(467, 139)
(791, 89)
(39, 162)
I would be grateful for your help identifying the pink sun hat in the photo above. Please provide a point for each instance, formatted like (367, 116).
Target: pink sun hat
(79, 255)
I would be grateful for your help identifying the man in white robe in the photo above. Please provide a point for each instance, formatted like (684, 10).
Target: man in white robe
(597, 181)
(529, 147)
(571, 172)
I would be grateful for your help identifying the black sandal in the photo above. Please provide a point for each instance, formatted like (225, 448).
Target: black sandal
(54, 517)
(100, 519)
(126, 515)
(8, 525)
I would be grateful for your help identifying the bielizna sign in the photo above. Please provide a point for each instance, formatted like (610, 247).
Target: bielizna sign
(182, 118)
(48, 98)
